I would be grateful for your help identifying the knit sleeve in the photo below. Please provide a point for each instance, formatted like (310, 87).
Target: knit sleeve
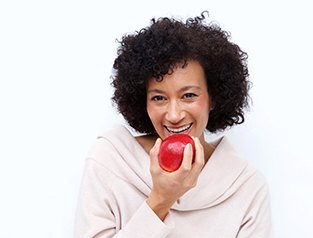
(145, 223)
(95, 216)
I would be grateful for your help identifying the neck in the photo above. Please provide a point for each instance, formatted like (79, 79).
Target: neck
(208, 150)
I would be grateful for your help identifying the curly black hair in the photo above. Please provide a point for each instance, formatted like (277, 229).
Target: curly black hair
(154, 51)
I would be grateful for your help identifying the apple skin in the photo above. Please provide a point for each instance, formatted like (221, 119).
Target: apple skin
(172, 151)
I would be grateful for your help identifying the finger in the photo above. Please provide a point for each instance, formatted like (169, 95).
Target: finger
(187, 160)
(199, 158)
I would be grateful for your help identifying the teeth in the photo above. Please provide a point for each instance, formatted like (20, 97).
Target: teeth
(178, 130)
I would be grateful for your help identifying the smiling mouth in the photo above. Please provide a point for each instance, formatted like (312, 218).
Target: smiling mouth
(179, 129)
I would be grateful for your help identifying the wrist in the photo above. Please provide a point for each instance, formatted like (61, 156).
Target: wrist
(159, 206)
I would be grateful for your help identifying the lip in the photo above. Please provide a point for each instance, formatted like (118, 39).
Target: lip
(169, 132)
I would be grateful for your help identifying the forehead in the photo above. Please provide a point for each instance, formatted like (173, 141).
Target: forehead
(190, 73)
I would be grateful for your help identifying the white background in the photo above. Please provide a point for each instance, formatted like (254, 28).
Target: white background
(55, 67)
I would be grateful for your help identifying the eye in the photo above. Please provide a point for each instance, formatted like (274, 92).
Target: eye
(157, 98)
(189, 95)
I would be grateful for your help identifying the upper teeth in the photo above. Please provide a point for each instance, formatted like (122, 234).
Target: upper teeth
(178, 130)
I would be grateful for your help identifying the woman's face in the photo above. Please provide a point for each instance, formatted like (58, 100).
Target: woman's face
(180, 103)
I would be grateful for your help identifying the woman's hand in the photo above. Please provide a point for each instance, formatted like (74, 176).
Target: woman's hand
(168, 187)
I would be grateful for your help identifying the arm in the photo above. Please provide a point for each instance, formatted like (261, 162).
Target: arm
(95, 217)
(96, 210)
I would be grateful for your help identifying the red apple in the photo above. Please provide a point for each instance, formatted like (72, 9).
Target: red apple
(172, 151)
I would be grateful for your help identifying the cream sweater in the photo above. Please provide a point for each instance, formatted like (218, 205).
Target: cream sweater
(230, 200)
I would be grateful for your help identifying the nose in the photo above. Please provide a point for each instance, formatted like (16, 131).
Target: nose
(174, 112)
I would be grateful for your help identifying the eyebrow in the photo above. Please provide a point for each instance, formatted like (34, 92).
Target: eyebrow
(155, 90)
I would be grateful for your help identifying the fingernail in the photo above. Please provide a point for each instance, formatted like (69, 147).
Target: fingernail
(188, 146)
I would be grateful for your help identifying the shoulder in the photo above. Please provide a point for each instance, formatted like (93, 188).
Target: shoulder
(117, 152)
(244, 173)
(116, 132)
(111, 143)
(226, 158)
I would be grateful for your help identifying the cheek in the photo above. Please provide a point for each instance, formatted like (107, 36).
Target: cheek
(202, 104)
(149, 110)
(152, 112)
(201, 109)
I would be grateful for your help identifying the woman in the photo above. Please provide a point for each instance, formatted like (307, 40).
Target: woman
(174, 77)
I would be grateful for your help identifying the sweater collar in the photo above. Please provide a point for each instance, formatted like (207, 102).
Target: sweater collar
(217, 181)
